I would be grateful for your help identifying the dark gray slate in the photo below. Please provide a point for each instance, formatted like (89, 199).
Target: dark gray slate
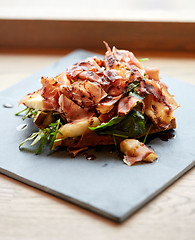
(105, 185)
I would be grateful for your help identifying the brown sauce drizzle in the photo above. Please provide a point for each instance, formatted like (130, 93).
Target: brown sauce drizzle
(107, 148)
(89, 156)
(164, 136)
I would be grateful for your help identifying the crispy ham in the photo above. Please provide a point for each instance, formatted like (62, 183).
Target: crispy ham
(107, 104)
(92, 139)
(72, 111)
(115, 57)
(93, 92)
(126, 104)
(152, 73)
(136, 151)
(159, 104)
(86, 93)
(49, 92)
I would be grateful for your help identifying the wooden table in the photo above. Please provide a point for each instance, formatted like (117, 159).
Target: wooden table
(27, 213)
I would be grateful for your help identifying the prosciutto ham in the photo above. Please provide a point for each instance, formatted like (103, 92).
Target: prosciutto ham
(94, 97)
(126, 104)
(159, 104)
(50, 93)
(152, 73)
(115, 58)
(136, 151)
(72, 111)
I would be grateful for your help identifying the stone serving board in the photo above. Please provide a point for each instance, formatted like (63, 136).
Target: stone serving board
(104, 185)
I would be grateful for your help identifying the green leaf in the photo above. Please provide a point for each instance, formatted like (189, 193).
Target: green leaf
(18, 113)
(34, 135)
(44, 135)
(42, 144)
(30, 112)
(38, 137)
(113, 121)
(132, 125)
(57, 125)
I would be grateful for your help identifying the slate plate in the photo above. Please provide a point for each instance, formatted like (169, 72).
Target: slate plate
(105, 185)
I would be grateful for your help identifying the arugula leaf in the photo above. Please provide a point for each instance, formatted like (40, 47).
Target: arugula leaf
(42, 144)
(112, 121)
(18, 113)
(34, 135)
(30, 112)
(55, 126)
(130, 126)
(44, 135)
(39, 136)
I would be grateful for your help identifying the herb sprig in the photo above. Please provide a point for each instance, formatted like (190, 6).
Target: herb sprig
(30, 112)
(44, 135)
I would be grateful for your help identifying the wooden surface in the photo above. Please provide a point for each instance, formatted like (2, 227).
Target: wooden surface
(70, 34)
(159, 25)
(27, 213)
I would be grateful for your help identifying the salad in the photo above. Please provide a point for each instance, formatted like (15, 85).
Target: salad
(101, 102)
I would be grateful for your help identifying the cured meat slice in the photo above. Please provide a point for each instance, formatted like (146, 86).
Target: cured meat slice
(136, 151)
